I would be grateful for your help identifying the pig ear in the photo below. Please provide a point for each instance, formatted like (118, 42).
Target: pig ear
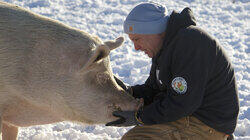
(101, 52)
(114, 44)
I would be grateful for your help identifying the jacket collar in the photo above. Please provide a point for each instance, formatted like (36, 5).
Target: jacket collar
(175, 23)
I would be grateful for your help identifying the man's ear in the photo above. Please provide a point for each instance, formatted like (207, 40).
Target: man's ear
(101, 52)
(114, 44)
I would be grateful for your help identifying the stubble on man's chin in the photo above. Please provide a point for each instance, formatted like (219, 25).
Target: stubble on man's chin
(150, 56)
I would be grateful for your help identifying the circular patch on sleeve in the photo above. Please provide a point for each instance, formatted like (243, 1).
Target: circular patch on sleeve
(179, 85)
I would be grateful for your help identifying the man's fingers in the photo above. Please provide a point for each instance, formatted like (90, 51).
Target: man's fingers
(118, 114)
(141, 104)
(121, 119)
(116, 123)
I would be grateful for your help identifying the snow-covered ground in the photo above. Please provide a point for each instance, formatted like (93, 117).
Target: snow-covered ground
(227, 20)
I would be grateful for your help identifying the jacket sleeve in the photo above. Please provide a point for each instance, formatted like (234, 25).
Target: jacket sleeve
(144, 91)
(147, 91)
(190, 62)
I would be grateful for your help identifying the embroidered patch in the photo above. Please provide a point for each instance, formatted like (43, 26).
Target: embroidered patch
(130, 28)
(179, 84)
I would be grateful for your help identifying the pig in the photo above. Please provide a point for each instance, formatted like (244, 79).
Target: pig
(50, 72)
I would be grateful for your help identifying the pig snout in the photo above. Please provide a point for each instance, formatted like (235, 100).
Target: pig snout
(134, 105)
(123, 104)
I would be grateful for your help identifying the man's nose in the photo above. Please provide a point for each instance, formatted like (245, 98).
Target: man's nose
(137, 47)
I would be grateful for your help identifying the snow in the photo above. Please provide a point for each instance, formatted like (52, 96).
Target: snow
(227, 20)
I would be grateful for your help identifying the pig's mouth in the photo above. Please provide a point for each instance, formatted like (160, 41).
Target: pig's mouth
(111, 108)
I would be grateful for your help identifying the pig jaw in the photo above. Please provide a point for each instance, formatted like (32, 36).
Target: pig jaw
(124, 102)
(105, 115)
(96, 106)
(101, 113)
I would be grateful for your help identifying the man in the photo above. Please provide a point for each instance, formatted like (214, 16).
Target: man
(191, 91)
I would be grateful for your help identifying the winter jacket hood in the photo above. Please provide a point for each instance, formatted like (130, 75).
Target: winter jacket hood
(177, 21)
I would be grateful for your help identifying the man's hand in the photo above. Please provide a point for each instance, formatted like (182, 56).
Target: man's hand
(126, 118)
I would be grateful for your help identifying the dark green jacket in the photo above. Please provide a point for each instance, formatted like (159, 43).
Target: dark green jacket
(207, 89)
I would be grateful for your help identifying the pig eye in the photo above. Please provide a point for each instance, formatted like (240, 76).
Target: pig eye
(100, 56)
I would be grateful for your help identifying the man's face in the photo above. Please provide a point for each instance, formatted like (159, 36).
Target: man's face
(149, 44)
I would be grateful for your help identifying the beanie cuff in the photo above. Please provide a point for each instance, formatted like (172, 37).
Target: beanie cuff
(153, 27)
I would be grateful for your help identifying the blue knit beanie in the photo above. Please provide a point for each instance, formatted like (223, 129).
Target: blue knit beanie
(146, 18)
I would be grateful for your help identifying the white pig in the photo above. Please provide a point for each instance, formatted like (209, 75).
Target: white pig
(50, 72)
